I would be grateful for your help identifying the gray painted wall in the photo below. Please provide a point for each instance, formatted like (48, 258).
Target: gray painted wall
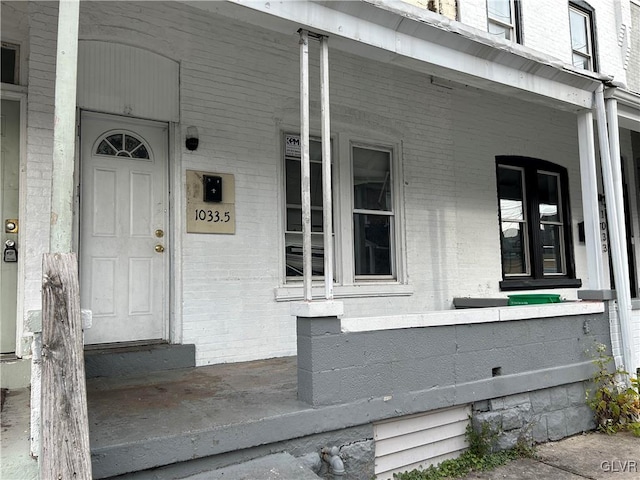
(448, 365)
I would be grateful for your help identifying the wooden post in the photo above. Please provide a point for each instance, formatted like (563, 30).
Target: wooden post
(65, 428)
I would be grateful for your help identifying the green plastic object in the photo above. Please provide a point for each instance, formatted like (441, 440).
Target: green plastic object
(533, 299)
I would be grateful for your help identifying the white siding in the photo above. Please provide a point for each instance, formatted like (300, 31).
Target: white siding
(417, 441)
(126, 80)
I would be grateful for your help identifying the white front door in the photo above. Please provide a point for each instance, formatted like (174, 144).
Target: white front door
(123, 225)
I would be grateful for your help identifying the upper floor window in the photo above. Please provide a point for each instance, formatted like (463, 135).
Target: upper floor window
(581, 22)
(10, 62)
(503, 19)
(535, 233)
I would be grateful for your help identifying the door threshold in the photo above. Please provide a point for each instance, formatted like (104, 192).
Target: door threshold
(118, 345)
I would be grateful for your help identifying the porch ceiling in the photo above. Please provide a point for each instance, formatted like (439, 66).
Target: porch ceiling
(422, 41)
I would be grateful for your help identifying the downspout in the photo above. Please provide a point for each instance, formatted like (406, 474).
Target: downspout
(615, 211)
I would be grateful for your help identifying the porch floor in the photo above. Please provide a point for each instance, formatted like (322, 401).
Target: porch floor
(187, 413)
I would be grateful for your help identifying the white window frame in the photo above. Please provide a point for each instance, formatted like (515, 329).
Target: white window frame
(382, 213)
(285, 158)
(511, 25)
(347, 285)
(588, 17)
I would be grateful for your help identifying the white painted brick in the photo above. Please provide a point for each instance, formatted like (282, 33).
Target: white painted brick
(239, 86)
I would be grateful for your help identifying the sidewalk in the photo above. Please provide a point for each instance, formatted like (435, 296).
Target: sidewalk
(592, 455)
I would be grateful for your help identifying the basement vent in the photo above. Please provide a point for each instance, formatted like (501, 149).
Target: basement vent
(418, 441)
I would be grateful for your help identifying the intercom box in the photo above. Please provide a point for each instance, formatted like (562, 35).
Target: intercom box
(210, 202)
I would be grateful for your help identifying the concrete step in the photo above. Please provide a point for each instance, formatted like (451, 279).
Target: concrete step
(279, 466)
(117, 360)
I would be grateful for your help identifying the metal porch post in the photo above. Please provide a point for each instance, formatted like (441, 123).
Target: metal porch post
(305, 168)
(326, 170)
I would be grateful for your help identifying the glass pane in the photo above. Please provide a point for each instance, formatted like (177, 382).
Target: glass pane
(580, 61)
(315, 150)
(371, 179)
(579, 31)
(510, 193)
(293, 254)
(105, 149)
(130, 142)
(499, 31)
(116, 140)
(500, 10)
(549, 198)
(552, 257)
(8, 69)
(372, 247)
(514, 254)
(294, 220)
(292, 173)
(140, 152)
(294, 188)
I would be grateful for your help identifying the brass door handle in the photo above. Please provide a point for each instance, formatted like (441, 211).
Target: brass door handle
(159, 248)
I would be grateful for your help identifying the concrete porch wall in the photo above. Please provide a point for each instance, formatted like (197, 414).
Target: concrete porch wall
(426, 368)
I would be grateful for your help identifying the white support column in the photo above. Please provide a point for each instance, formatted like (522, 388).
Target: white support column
(327, 209)
(64, 127)
(616, 232)
(626, 329)
(305, 176)
(589, 184)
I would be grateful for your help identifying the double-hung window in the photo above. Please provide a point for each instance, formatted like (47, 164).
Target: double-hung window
(365, 213)
(373, 212)
(503, 19)
(581, 23)
(535, 233)
(293, 216)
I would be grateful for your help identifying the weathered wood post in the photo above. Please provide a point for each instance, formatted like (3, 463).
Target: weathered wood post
(65, 429)
(64, 448)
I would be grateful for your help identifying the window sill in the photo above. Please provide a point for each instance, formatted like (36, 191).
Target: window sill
(295, 292)
(537, 284)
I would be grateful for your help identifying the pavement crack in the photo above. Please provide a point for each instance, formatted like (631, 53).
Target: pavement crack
(568, 470)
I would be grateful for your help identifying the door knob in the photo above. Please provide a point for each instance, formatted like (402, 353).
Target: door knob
(159, 248)
(159, 233)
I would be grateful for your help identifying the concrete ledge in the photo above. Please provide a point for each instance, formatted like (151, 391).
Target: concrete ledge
(317, 308)
(470, 316)
(467, 302)
(598, 295)
(133, 360)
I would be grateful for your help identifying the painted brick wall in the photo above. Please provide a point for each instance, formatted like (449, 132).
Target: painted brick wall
(446, 364)
(545, 27)
(36, 221)
(239, 86)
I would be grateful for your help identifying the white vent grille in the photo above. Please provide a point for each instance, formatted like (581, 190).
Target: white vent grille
(417, 441)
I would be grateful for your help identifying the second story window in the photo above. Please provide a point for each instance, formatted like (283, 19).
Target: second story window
(10, 63)
(502, 17)
(582, 36)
